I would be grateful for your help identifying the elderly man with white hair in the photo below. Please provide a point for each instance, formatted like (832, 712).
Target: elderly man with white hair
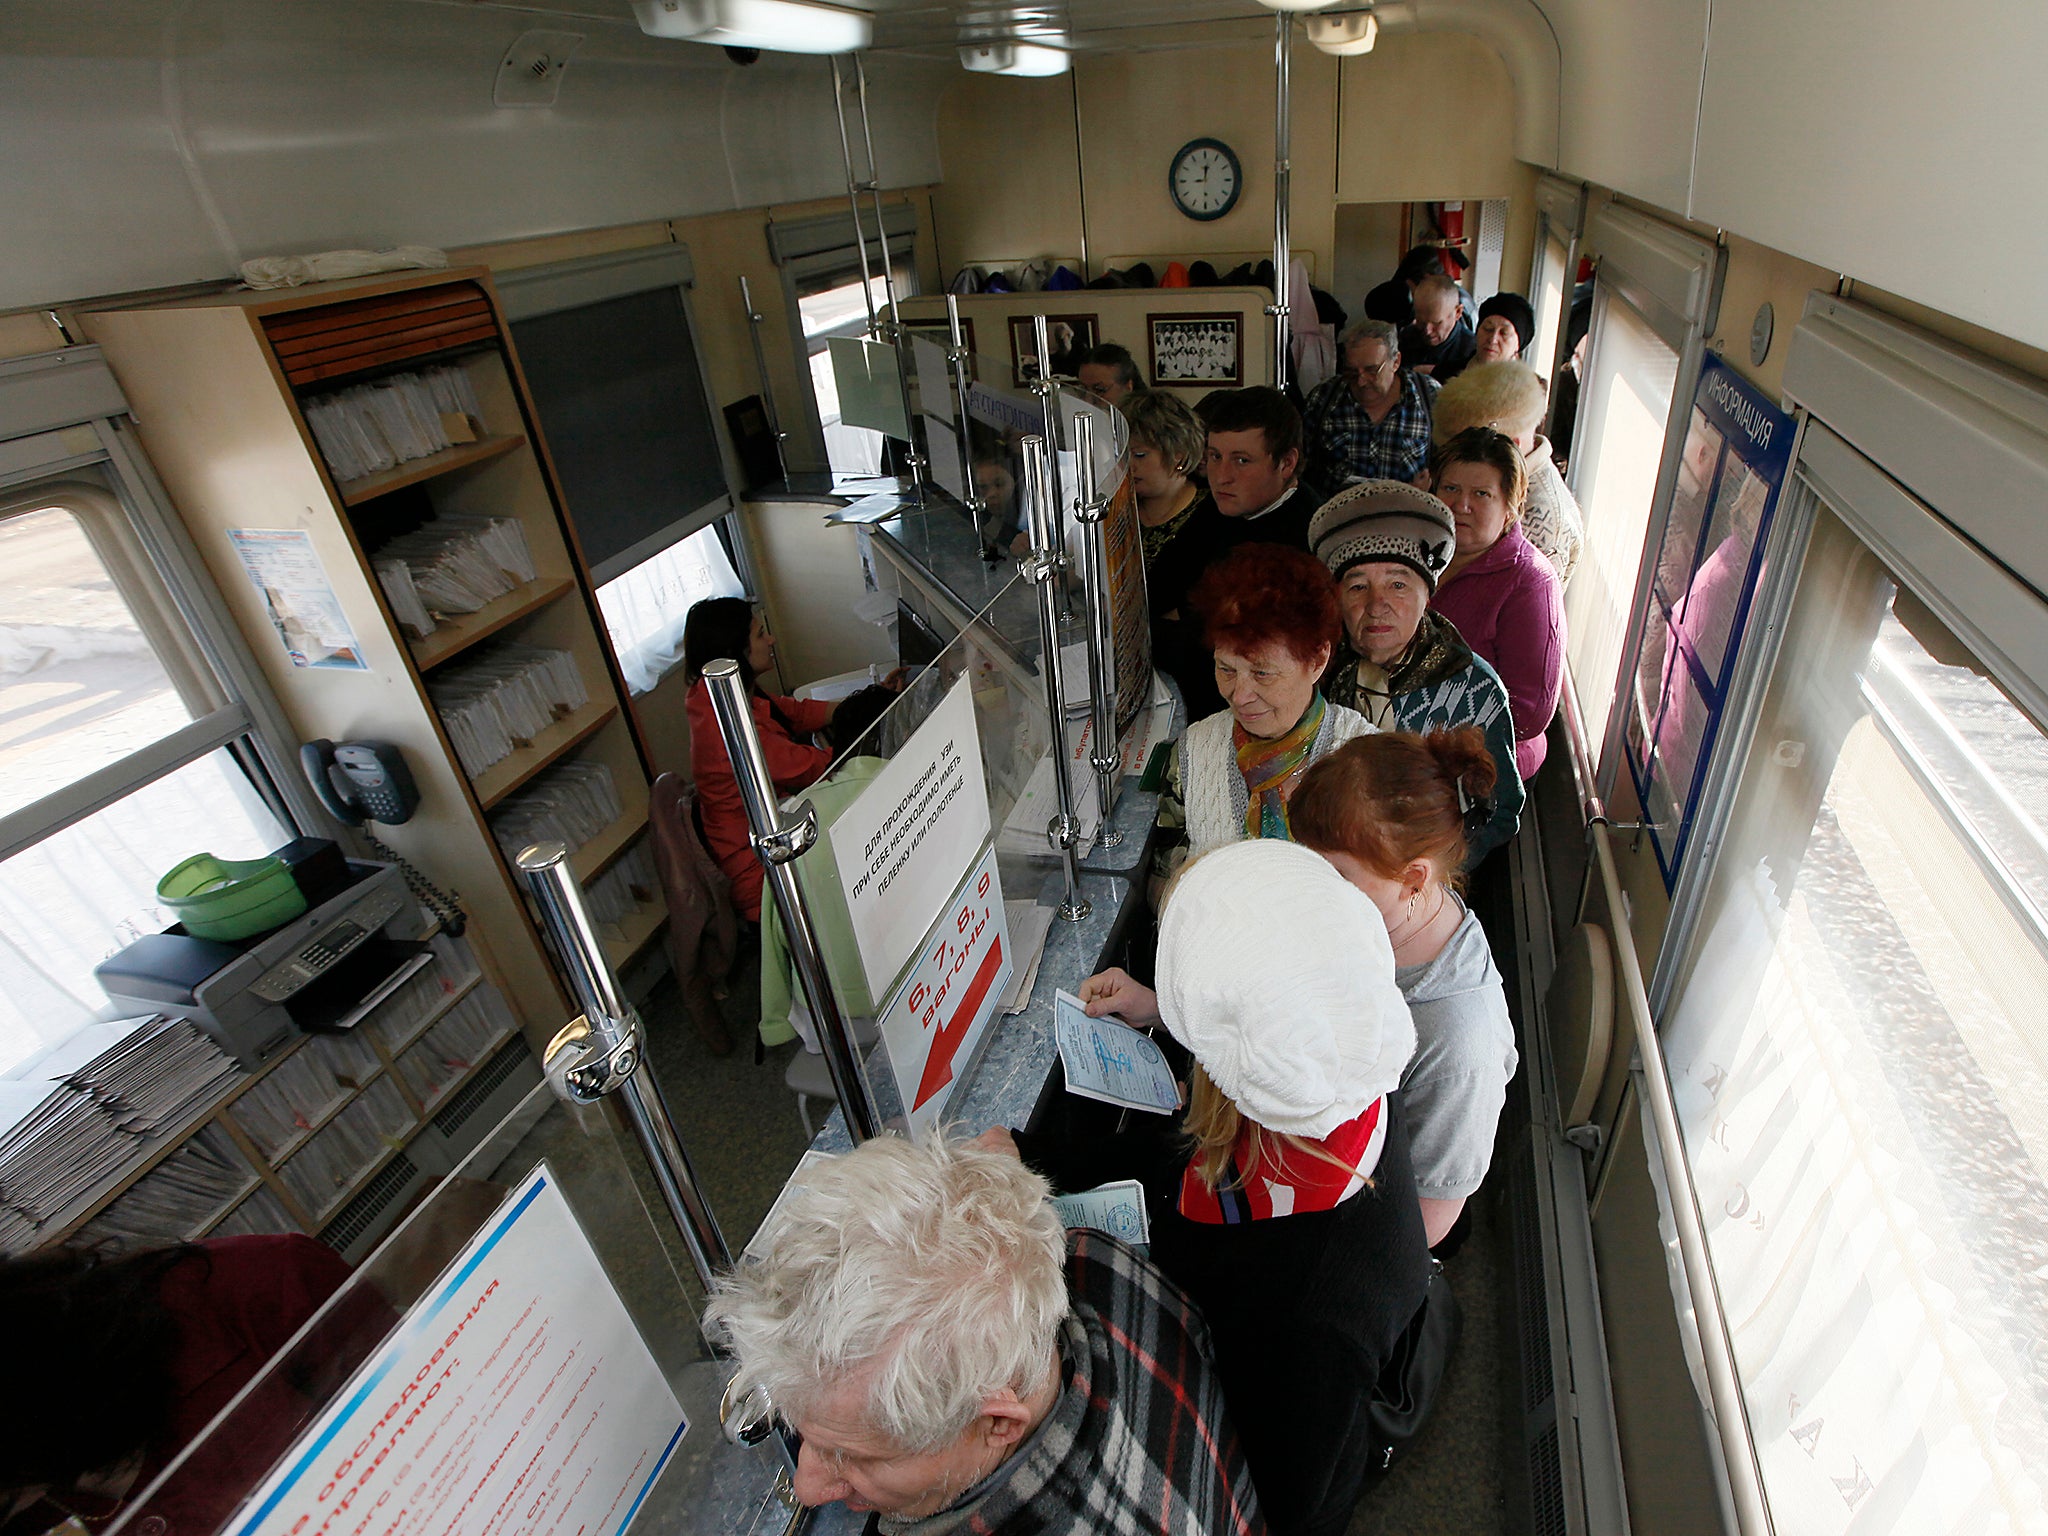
(954, 1360)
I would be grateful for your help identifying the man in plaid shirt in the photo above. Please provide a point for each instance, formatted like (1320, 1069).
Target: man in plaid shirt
(959, 1364)
(1371, 422)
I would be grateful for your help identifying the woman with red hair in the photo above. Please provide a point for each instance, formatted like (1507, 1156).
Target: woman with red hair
(1270, 615)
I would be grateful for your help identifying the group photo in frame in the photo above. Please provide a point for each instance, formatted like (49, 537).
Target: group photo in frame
(1071, 337)
(940, 332)
(1196, 349)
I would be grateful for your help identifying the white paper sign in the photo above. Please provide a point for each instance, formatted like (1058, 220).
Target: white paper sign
(936, 1021)
(516, 1396)
(304, 608)
(1118, 1209)
(905, 845)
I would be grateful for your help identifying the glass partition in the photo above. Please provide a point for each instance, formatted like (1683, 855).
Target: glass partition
(522, 1369)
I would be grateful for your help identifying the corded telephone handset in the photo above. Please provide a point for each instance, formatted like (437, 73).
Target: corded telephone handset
(360, 781)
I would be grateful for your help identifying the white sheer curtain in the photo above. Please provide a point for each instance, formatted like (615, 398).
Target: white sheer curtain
(1861, 1070)
(79, 895)
(644, 609)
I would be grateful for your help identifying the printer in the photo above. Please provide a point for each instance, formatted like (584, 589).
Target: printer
(323, 971)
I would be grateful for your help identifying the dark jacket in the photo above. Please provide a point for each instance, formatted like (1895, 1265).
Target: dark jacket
(1447, 358)
(1304, 1309)
(1178, 648)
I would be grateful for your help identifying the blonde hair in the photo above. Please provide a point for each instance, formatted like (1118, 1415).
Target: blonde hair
(1506, 394)
(1215, 1125)
(1167, 424)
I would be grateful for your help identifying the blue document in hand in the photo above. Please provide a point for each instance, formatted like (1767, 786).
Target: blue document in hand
(1106, 1059)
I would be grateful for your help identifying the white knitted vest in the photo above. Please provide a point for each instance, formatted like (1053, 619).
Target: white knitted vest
(1213, 794)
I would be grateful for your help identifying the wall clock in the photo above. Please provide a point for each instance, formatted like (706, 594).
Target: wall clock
(1205, 179)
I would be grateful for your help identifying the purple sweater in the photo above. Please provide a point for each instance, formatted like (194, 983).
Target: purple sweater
(1510, 608)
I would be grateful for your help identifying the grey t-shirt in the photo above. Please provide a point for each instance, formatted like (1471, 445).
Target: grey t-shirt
(1464, 1055)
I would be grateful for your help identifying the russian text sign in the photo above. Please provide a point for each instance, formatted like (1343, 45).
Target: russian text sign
(905, 845)
(935, 1023)
(516, 1396)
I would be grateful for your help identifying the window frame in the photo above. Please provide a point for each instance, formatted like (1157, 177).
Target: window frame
(1560, 215)
(66, 433)
(1671, 278)
(825, 252)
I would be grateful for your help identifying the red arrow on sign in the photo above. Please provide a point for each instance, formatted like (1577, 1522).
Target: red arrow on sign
(938, 1066)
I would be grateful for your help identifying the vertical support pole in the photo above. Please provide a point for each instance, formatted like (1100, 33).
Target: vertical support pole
(755, 320)
(602, 1054)
(959, 360)
(1103, 756)
(776, 844)
(860, 239)
(893, 332)
(1043, 569)
(1283, 175)
(1048, 394)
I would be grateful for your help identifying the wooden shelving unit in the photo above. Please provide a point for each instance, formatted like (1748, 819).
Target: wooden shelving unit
(590, 860)
(454, 636)
(414, 471)
(218, 384)
(641, 925)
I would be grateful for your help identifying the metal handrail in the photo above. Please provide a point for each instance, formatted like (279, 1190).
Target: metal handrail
(1717, 1355)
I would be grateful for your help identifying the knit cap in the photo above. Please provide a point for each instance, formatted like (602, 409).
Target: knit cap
(1276, 973)
(1518, 312)
(1384, 520)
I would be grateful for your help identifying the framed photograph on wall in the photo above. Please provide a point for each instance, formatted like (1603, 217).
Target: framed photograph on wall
(1197, 349)
(1071, 335)
(940, 334)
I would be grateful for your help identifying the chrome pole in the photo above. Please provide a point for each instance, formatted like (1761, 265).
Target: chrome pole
(1092, 507)
(1042, 569)
(860, 242)
(1048, 394)
(755, 320)
(777, 843)
(894, 331)
(1283, 173)
(960, 361)
(600, 1054)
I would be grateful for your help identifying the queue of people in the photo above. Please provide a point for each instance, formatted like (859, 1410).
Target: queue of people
(1363, 613)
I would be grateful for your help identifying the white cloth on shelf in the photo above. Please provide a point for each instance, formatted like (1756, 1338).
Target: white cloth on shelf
(325, 266)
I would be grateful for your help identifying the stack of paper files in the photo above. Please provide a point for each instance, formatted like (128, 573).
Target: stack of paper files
(614, 895)
(569, 804)
(77, 1120)
(369, 428)
(503, 698)
(450, 565)
(178, 1198)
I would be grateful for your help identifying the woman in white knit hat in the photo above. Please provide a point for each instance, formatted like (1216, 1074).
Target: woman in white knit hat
(1286, 1208)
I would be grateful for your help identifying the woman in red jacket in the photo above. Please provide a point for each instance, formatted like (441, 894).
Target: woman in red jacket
(729, 627)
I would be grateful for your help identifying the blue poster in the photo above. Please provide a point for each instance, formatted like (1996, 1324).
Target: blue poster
(1738, 448)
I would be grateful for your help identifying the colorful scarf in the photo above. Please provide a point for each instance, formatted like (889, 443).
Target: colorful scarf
(1270, 769)
(1287, 1182)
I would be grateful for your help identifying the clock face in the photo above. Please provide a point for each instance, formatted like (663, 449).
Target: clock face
(1205, 179)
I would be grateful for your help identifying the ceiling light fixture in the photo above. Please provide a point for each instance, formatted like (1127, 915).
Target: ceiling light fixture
(780, 26)
(1295, 5)
(1030, 59)
(1344, 33)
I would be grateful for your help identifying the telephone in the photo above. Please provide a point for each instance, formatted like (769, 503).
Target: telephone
(361, 780)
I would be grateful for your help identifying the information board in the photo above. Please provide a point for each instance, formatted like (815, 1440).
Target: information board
(515, 1396)
(935, 1023)
(1738, 449)
(906, 844)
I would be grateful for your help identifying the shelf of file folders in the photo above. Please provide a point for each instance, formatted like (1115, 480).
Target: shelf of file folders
(145, 1132)
(503, 699)
(367, 429)
(452, 566)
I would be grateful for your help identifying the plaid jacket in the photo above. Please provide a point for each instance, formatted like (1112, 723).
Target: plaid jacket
(1345, 444)
(1138, 1444)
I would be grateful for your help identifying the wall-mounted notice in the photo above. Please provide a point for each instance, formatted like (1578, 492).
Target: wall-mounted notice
(935, 1023)
(284, 566)
(905, 845)
(516, 1396)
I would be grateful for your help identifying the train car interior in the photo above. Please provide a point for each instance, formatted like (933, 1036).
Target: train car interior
(441, 440)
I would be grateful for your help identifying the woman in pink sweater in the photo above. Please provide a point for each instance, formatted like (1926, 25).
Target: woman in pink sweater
(1499, 591)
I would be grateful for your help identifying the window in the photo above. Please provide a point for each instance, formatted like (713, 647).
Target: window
(838, 310)
(644, 610)
(1549, 293)
(1860, 1061)
(118, 753)
(1617, 450)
